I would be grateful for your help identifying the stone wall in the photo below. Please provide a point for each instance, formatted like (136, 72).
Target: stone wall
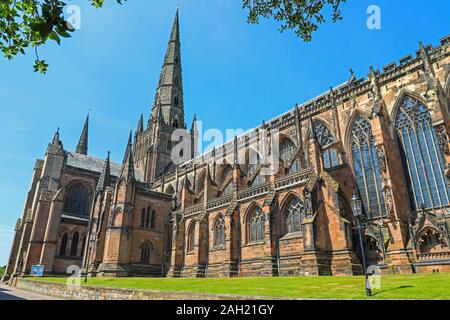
(102, 293)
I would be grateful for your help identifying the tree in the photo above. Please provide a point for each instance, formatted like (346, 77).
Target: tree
(31, 23)
(302, 16)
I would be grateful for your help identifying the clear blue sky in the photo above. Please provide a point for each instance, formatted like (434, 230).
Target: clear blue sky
(235, 74)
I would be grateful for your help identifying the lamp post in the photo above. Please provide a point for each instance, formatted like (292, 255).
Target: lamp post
(357, 212)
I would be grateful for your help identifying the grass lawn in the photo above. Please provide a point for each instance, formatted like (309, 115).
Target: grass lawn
(417, 286)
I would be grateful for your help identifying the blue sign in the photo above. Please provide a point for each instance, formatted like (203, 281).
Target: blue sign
(37, 270)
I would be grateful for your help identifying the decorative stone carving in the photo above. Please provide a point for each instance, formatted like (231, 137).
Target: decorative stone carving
(441, 134)
(388, 200)
(381, 156)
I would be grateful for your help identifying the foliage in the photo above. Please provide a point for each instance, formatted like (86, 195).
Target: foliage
(31, 23)
(302, 16)
(404, 286)
(2, 271)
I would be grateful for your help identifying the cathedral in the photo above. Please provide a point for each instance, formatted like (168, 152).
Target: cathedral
(228, 212)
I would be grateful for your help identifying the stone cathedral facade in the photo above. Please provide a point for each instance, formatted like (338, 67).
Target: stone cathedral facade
(384, 137)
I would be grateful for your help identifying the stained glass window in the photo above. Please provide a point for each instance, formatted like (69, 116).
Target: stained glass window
(294, 215)
(287, 150)
(423, 159)
(256, 225)
(367, 169)
(77, 199)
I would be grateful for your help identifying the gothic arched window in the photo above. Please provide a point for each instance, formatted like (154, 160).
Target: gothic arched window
(74, 245)
(225, 178)
(331, 156)
(77, 199)
(323, 134)
(63, 246)
(254, 164)
(145, 251)
(191, 238)
(219, 231)
(287, 150)
(367, 168)
(294, 215)
(255, 225)
(423, 159)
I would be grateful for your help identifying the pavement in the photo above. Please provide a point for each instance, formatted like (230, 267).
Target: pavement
(11, 293)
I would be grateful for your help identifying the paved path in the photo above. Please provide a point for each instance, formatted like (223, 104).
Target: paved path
(11, 293)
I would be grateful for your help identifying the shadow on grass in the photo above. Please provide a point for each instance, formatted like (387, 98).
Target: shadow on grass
(392, 289)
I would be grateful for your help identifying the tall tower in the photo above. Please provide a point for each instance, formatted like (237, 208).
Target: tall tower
(154, 145)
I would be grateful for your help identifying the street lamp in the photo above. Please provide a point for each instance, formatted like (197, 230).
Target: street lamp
(357, 212)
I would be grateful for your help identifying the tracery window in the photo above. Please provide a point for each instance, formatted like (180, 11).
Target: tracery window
(331, 156)
(294, 215)
(77, 199)
(254, 162)
(323, 134)
(145, 252)
(423, 159)
(255, 225)
(226, 178)
(287, 150)
(367, 169)
(219, 231)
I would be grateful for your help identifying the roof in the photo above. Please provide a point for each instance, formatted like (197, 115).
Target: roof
(92, 164)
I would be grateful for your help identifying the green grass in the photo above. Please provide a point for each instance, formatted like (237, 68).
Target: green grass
(417, 286)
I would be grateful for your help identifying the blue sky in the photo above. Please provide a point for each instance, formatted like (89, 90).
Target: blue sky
(235, 74)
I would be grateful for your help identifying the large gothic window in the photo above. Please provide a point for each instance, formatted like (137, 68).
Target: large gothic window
(191, 238)
(77, 199)
(219, 231)
(367, 168)
(255, 225)
(287, 150)
(294, 215)
(145, 251)
(423, 159)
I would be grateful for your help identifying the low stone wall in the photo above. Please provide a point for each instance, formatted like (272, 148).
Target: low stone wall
(102, 293)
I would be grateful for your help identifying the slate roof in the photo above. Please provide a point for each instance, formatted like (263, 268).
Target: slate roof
(92, 164)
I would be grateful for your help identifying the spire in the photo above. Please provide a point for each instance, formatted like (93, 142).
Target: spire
(105, 176)
(130, 142)
(56, 139)
(82, 147)
(194, 137)
(170, 88)
(128, 162)
(194, 124)
(140, 126)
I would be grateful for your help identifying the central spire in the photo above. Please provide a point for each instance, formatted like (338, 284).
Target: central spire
(169, 94)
